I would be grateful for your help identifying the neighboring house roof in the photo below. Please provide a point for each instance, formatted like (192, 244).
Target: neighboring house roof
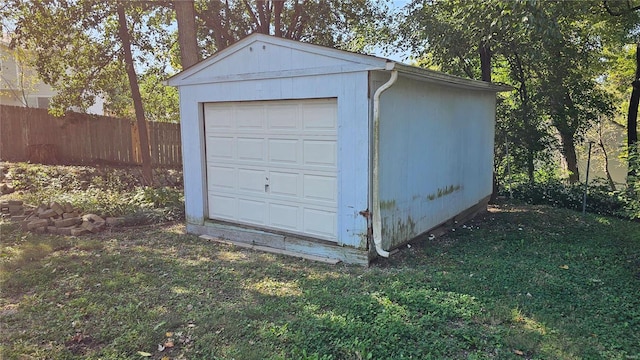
(337, 61)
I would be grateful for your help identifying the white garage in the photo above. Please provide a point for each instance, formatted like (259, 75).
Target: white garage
(321, 152)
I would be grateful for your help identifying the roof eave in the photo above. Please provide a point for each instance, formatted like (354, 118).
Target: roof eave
(451, 80)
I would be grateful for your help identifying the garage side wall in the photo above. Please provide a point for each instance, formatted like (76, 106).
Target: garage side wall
(350, 90)
(436, 155)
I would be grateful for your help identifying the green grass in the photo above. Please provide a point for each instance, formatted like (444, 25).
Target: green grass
(521, 282)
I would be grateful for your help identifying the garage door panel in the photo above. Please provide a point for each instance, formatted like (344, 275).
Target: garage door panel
(252, 211)
(218, 117)
(219, 147)
(249, 117)
(273, 164)
(283, 117)
(251, 149)
(319, 116)
(219, 177)
(323, 188)
(251, 180)
(320, 222)
(284, 184)
(320, 153)
(284, 216)
(224, 207)
(283, 151)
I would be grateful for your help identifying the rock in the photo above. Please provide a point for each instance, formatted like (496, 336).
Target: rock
(57, 208)
(16, 209)
(55, 218)
(65, 230)
(72, 214)
(17, 218)
(41, 223)
(93, 227)
(93, 218)
(45, 214)
(79, 231)
(67, 222)
(68, 207)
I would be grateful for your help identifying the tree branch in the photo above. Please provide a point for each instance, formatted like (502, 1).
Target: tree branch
(278, 6)
(256, 22)
(629, 9)
(294, 20)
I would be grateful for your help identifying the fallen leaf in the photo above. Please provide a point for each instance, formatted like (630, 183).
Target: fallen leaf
(518, 352)
(145, 354)
(168, 343)
(566, 267)
(160, 348)
(165, 358)
(168, 334)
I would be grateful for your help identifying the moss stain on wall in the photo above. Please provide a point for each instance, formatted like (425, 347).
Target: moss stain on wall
(444, 192)
(387, 205)
(398, 231)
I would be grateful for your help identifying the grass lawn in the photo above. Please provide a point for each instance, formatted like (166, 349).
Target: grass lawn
(520, 282)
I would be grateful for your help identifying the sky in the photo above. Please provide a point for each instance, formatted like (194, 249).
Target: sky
(401, 56)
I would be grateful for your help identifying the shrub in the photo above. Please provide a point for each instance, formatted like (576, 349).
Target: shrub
(102, 191)
(600, 199)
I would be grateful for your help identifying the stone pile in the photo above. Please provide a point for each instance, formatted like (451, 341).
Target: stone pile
(5, 184)
(55, 218)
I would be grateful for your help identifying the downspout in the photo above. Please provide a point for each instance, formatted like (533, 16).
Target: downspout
(377, 223)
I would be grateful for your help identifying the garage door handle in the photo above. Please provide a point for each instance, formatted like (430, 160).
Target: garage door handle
(266, 187)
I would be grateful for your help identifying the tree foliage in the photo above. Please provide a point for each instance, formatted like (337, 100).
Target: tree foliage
(335, 23)
(75, 45)
(548, 50)
(76, 48)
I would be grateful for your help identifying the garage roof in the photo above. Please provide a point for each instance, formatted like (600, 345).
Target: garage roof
(334, 61)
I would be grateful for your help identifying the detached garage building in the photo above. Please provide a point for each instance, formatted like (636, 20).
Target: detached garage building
(323, 152)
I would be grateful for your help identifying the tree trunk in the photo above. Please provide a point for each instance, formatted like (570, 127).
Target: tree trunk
(145, 152)
(531, 168)
(632, 121)
(612, 184)
(485, 68)
(485, 61)
(569, 152)
(187, 32)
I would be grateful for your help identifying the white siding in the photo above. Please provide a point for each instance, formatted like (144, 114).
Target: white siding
(436, 155)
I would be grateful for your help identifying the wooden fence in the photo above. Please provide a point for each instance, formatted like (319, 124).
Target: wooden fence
(33, 135)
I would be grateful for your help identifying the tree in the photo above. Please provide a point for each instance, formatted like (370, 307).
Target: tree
(17, 78)
(334, 23)
(80, 48)
(549, 47)
(626, 16)
(187, 32)
(125, 38)
(83, 47)
(465, 38)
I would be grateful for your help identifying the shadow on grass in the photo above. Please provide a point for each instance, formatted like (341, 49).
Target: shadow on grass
(496, 288)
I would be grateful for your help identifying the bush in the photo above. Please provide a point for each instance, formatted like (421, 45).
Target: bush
(600, 199)
(102, 191)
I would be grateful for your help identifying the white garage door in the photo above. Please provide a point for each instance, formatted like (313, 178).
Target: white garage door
(274, 164)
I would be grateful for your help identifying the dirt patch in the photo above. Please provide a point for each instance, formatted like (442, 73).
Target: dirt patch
(81, 344)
